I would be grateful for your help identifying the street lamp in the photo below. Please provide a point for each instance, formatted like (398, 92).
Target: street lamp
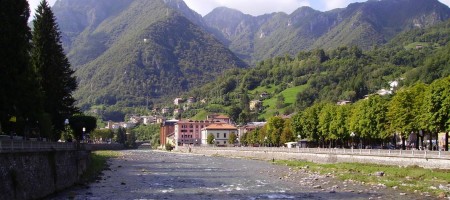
(352, 135)
(299, 142)
(265, 139)
(82, 136)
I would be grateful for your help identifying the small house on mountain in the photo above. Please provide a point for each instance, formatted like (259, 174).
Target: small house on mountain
(178, 101)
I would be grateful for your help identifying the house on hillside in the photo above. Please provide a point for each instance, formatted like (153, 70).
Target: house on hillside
(191, 100)
(255, 105)
(264, 95)
(178, 101)
(343, 102)
(218, 118)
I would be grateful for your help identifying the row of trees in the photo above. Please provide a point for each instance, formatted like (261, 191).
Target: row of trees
(36, 81)
(420, 108)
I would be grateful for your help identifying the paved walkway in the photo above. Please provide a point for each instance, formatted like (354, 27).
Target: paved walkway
(145, 174)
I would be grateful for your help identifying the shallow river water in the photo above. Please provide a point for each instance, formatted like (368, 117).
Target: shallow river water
(146, 174)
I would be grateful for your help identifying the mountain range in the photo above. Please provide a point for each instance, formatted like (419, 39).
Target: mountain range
(127, 52)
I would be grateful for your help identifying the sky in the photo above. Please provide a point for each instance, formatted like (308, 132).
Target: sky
(255, 7)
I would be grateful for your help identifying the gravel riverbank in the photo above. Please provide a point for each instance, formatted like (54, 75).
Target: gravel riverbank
(146, 174)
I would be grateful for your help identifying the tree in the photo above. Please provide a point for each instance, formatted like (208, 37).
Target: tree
(287, 135)
(401, 114)
(339, 126)
(232, 138)
(234, 113)
(368, 118)
(19, 96)
(325, 119)
(210, 139)
(78, 122)
(438, 106)
(274, 129)
(55, 75)
(121, 136)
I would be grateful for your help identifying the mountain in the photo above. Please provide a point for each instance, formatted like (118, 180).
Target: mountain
(127, 52)
(365, 25)
(288, 84)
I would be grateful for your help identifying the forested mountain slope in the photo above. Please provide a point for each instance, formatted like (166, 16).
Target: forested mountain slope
(138, 50)
(293, 83)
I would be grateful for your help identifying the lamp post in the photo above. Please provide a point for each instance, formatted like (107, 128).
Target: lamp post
(265, 139)
(299, 140)
(352, 135)
(82, 136)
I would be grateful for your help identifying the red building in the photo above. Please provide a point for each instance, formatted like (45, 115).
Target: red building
(167, 128)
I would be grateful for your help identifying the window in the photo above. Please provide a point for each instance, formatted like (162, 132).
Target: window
(225, 135)
(224, 142)
(218, 135)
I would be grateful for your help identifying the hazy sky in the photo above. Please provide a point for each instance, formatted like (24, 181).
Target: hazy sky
(255, 7)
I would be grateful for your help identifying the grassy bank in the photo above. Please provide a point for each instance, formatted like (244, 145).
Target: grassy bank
(98, 164)
(412, 179)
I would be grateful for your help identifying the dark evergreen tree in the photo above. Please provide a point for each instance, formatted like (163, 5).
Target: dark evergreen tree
(19, 97)
(55, 75)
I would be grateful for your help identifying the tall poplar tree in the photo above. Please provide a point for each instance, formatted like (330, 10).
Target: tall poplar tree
(56, 77)
(19, 95)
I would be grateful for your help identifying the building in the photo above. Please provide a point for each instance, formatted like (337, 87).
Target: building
(250, 127)
(219, 118)
(178, 101)
(166, 129)
(165, 110)
(264, 95)
(188, 132)
(255, 105)
(343, 102)
(191, 100)
(221, 133)
(177, 111)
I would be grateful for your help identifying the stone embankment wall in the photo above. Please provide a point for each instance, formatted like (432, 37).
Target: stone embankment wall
(439, 163)
(34, 175)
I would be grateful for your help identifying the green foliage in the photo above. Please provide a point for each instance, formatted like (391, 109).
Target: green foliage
(78, 122)
(405, 178)
(55, 76)
(140, 52)
(20, 96)
(210, 139)
(102, 134)
(169, 147)
(275, 126)
(147, 133)
(232, 138)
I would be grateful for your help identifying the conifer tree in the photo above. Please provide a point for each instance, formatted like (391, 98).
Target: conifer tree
(55, 75)
(19, 96)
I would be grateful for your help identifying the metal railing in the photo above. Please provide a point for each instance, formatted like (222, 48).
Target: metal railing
(31, 146)
(341, 151)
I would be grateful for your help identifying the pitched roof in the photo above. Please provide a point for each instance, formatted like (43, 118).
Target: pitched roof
(220, 127)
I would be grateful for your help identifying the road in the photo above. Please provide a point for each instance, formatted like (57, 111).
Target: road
(146, 174)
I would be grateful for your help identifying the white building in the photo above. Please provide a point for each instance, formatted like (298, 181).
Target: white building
(221, 133)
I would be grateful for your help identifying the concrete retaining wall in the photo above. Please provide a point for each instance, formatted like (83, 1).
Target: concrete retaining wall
(33, 175)
(328, 158)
